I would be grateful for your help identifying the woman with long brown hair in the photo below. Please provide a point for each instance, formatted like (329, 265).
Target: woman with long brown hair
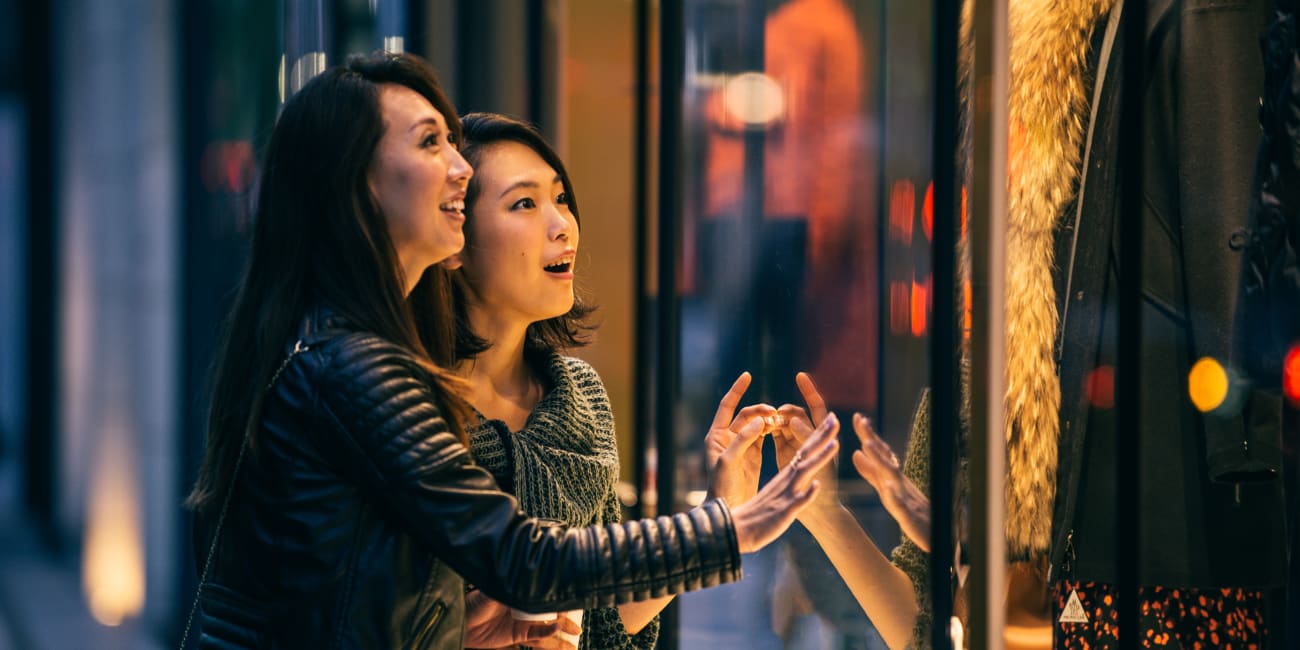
(337, 505)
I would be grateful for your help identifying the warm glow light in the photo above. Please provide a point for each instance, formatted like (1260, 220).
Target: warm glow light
(902, 208)
(112, 573)
(1207, 384)
(1291, 374)
(967, 302)
(927, 212)
(920, 303)
(754, 98)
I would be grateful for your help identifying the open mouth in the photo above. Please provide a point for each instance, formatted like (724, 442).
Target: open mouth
(562, 265)
(456, 207)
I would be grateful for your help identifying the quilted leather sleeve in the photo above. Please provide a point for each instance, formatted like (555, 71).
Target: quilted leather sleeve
(388, 434)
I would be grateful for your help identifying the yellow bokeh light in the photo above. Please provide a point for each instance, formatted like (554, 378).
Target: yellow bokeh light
(112, 569)
(1207, 384)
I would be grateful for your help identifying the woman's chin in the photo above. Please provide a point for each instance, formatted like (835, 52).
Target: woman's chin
(560, 309)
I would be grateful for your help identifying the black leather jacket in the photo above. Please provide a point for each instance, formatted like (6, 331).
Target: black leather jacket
(355, 520)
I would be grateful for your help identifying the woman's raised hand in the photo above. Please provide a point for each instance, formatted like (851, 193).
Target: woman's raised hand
(763, 518)
(905, 502)
(732, 449)
(793, 426)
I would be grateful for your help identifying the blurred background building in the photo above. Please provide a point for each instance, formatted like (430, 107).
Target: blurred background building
(779, 174)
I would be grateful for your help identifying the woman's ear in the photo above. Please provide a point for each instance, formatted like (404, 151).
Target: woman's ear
(452, 263)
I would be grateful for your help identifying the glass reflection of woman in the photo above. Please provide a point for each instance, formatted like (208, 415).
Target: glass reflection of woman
(543, 424)
(337, 505)
(893, 594)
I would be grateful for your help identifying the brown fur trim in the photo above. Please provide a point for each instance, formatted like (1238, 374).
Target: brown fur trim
(1048, 107)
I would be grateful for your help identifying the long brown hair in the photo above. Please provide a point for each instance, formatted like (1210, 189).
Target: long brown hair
(319, 237)
(570, 330)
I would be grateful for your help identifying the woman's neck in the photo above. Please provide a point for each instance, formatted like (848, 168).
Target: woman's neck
(502, 385)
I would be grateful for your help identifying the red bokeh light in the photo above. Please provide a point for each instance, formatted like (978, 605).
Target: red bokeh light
(1099, 387)
(228, 166)
(1291, 374)
(927, 212)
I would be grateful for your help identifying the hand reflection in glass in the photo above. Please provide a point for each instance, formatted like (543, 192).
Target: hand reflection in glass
(885, 593)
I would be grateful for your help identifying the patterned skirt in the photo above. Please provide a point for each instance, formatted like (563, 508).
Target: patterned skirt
(1085, 616)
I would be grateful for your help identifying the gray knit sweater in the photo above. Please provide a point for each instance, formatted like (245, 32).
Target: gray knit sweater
(563, 466)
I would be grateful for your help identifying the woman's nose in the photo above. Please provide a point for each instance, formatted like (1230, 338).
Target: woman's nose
(459, 169)
(562, 226)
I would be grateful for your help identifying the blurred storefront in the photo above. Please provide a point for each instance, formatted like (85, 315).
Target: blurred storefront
(760, 192)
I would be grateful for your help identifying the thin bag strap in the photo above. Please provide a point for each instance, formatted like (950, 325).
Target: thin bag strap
(298, 348)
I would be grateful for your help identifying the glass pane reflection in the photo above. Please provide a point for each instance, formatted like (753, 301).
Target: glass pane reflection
(805, 247)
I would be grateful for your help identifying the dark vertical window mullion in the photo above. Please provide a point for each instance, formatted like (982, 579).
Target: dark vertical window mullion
(416, 41)
(43, 266)
(195, 48)
(534, 62)
(1128, 367)
(754, 20)
(475, 51)
(944, 348)
(882, 208)
(641, 223)
(671, 75)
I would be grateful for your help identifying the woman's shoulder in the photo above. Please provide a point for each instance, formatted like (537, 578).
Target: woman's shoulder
(583, 380)
(353, 359)
(576, 406)
(579, 369)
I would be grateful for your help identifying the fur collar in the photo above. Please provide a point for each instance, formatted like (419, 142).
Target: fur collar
(1050, 89)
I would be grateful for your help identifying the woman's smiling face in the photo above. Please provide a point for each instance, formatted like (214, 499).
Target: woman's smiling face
(419, 179)
(522, 237)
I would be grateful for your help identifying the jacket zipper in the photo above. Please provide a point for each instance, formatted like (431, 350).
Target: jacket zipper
(1067, 562)
(434, 618)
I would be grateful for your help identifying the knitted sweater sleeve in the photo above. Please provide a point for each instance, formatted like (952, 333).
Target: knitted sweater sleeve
(907, 555)
(602, 627)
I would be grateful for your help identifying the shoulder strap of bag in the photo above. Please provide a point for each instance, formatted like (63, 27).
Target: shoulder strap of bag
(298, 348)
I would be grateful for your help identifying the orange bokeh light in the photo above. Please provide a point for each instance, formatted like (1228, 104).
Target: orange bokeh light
(920, 303)
(902, 210)
(1208, 384)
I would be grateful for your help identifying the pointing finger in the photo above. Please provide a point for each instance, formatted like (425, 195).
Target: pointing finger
(731, 400)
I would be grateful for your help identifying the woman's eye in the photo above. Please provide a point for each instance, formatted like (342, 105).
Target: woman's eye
(430, 140)
(562, 199)
(523, 204)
